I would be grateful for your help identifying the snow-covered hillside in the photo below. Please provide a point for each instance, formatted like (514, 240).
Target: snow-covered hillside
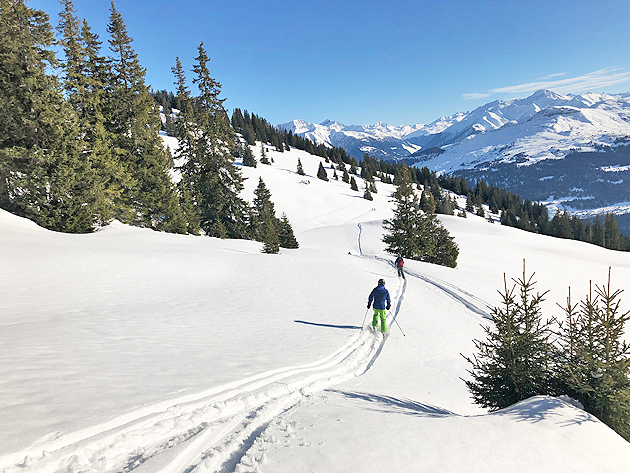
(133, 350)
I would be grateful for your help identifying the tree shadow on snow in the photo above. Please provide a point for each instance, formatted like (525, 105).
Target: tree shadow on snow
(346, 327)
(395, 405)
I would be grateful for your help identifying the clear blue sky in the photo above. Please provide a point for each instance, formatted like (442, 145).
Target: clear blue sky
(399, 62)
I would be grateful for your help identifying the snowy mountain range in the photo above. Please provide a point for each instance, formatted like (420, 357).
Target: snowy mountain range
(540, 126)
(570, 151)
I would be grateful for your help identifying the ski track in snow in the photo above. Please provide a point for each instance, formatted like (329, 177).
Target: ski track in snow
(468, 300)
(210, 431)
(214, 430)
(217, 426)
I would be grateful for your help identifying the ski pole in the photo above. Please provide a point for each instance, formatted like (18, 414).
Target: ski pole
(401, 330)
(365, 317)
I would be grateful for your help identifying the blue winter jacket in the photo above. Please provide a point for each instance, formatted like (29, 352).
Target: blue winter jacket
(380, 296)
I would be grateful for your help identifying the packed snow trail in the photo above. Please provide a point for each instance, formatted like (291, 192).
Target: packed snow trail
(209, 430)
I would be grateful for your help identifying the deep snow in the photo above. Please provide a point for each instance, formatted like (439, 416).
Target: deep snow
(129, 349)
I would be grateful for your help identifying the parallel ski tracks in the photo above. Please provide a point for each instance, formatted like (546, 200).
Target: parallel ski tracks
(207, 432)
(211, 431)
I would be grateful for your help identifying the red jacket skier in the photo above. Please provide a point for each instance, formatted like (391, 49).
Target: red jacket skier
(399, 266)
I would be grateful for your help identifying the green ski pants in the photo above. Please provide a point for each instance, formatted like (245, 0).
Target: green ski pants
(379, 313)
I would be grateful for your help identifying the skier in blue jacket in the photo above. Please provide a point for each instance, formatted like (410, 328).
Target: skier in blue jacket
(382, 303)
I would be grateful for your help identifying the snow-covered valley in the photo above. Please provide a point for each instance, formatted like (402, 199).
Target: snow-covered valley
(133, 350)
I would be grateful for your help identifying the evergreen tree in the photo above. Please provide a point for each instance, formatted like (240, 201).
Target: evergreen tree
(263, 155)
(345, 177)
(43, 175)
(413, 234)
(321, 172)
(238, 121)
(209, 148)
(439, 246)
(612, 237)
(102, 176)
(188, 201)
(367, 195)
(185, 131)
(593, 367)
(245, 153)
(285, 233)
(262, 203)
(514, 362)
(271, 242)
(300, 169)
(597, 235)
(402, 231)
(277, 142)
(353, 184)
(221, 181)
(132, 116)
(353, 166)
(469, 203)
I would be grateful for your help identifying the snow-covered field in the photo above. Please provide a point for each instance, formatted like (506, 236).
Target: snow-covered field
(129, 349)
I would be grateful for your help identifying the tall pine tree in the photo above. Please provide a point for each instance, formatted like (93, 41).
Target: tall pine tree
(43, 174)
(101, 176)
(184, 129)
(132, 117)
(413, 234)
(209, 171)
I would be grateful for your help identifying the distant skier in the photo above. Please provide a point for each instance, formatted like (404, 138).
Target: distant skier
(382, 303)
(399, 266)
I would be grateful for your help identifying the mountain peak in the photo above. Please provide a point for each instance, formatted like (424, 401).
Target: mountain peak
(546, 93)
(327, 122)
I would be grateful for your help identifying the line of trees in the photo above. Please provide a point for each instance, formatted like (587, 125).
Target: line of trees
(514, 211)
(79, 135)
(533, 216)
(80, 147)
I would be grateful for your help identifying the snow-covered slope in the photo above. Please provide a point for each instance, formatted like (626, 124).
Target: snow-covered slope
(132, 350)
